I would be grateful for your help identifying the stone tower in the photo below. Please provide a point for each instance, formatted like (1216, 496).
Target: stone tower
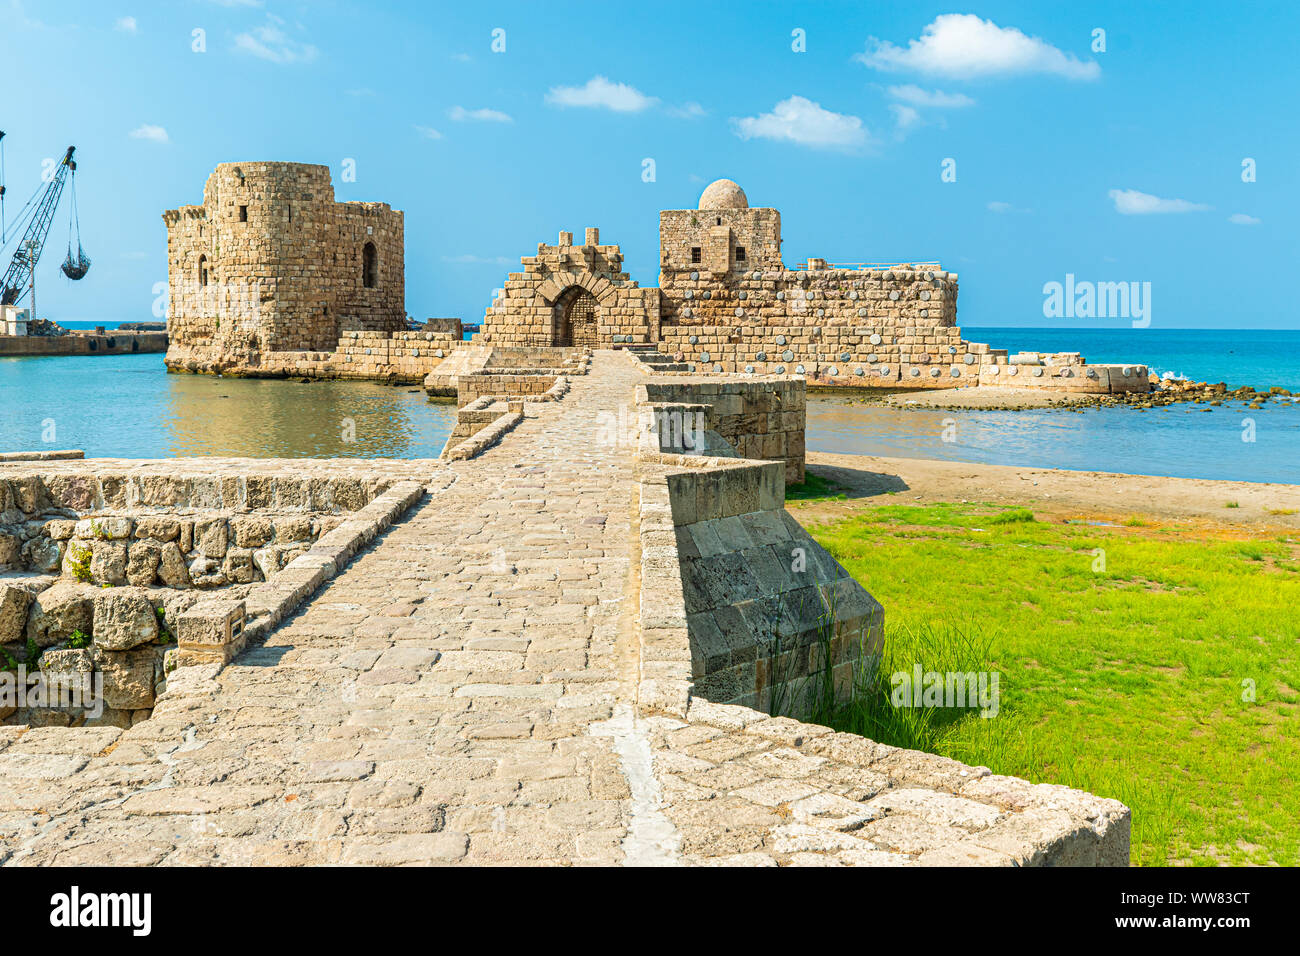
(271, 263)
(721, 236)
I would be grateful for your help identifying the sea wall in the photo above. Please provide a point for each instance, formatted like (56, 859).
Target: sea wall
(84, 343)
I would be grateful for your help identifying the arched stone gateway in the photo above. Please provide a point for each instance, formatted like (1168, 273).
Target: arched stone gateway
(576, 315)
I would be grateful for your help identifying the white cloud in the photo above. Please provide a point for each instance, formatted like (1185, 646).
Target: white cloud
(1130, 202)
(270, 42)
(905, 117)
(428, 132)
(800, 120)
(1241, 219)
(155, 134)
(460, 115)
(600, 93)
(936, 99)
(691, 110)
(126, 25)
(461, 57)
(962, 45)
(999, 206)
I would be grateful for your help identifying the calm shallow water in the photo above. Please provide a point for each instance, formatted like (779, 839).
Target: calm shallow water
(1182, 441)
(129, 407)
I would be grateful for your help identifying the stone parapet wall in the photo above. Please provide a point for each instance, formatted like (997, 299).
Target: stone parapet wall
(86, 343)
(762, 418)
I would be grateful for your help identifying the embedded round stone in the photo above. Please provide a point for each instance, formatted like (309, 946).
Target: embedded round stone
(739, 311)
(800, 370)
(810, 294)
(760, 357)
(889, 277)
(862, 313)
(690, 293)
(704, 357)
(1126, 371)
(787, 356)
(749, 369)
(1067, 373)
(925, 295)
(956, 372)
(859, 371)
(780, 296)
(718, 368)
(780, 370)
(757, 275)
(743, 295)
(893, 295)
(833, 371)
(853, 295)
(707, 294)
(873, 358)
(694, 340)
(915, 372)
(1038, 373)
(925, 359)
(687, 313)
(695, 277)
(928, 276)
(780, 340)
(439, 353)
(884, 370)
(875, 338)
(935, 373)
(995, 370)
(1013, 370)
(821, 313)
(415, 352)
(968, 359)
(1092, 373)
(846, 356)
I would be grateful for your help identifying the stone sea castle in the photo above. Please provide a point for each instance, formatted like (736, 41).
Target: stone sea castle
(586, 634)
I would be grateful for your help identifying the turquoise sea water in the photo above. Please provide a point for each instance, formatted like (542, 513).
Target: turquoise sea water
(128, 406)
(1255, 357)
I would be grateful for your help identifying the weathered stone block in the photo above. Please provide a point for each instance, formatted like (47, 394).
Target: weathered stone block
(124, 618)
(58, 611)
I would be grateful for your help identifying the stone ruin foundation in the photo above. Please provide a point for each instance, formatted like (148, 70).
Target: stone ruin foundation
(102, 573)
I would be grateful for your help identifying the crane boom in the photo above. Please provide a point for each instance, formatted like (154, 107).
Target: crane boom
(18, 275)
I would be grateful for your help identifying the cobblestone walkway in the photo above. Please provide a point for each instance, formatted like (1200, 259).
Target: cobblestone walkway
(463, 693)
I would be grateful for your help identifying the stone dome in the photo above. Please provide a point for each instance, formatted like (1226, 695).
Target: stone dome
(723, 194)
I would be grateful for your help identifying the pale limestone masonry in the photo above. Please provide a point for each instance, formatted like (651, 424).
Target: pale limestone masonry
(572, 296)
(516, 671)
(102, 568)
(271, 263)
(271, 277)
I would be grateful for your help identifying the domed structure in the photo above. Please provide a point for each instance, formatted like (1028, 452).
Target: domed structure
(723, 194)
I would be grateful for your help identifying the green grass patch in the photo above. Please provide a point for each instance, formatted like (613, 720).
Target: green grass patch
(814, 488)
(1160, 671)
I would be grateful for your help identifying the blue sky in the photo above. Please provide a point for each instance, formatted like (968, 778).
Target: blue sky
(1122, 165)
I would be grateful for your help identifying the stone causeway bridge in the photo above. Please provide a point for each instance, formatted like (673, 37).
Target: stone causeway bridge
(504, 673)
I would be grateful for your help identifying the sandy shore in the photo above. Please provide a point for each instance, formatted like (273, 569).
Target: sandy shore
(1098, 495)
(985, 396)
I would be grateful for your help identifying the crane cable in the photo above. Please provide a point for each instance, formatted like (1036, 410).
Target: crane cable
(2, 187)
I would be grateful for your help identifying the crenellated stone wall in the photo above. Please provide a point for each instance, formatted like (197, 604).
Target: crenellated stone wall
(271, 263)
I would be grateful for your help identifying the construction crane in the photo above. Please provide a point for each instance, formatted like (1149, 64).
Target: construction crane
(38, 215)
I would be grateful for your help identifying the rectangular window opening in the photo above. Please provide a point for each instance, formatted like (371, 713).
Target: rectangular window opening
(243, 214)
(740, 253)
(695, 253)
